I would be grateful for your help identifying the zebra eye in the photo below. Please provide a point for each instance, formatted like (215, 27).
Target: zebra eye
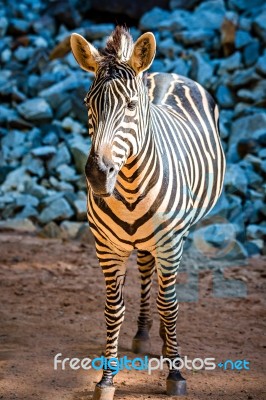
(131, 105)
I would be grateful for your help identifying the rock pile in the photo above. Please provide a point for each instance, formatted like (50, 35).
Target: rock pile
(44, 141)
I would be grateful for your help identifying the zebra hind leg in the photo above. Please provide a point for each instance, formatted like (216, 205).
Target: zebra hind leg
(141, 342)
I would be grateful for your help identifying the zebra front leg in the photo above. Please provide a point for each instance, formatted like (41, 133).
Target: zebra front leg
(168, 309)
(114, 272)
(141, 342)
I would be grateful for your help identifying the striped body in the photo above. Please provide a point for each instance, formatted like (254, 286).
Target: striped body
(177, 177)
(155, 168)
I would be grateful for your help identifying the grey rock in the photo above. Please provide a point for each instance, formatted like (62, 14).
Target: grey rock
(99, 31)
(219, 241)
(34, 165)
(256, 232)
(85, 235)
(151, 19)
(80, 151)
(177, 21)
(66, 173)
(247, 127)
(235, 180)
(251, 53)
(35, 190)
(19, 225)
(62, 156)
(35, 110)
(80, 207)
(50, 230)
(225, 97)
(44, 152)
(209, 14)
(27, 199)
(192, 37)
(70, 229)
(58, 210)
(61, 185)
(28, 212)
(242, 38)
(16, 180)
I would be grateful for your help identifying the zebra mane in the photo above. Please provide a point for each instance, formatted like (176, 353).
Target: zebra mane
(118, 47)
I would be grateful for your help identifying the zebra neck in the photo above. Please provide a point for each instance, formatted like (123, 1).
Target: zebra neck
(140, 173)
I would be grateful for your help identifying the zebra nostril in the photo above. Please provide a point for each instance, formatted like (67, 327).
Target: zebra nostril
(111, 170)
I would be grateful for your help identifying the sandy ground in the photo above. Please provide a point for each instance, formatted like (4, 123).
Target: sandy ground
(52, 300)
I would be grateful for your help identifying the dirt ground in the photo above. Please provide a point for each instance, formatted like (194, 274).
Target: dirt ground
(52, 301)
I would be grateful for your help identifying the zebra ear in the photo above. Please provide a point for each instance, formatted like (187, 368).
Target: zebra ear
(84, 53)
(143, 52)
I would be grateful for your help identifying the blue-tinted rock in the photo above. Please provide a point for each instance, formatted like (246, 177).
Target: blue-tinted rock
(242, 38)
(193, 37)
(177, 21)
(260, 25)
(256, 232)
(157, 66)
(60, 185)
(225, 120)
(262, 155)
(247, 127)
(235, 206)
(3, 26)
(209, 15)
(254, 179)
(225, 97)
(180, 67)
(58, 210)
(80, 207)
(50, 139)
(254, 247)
(79, 150)
(23, 53)
(256, 94)
(188, 4)
(151, 19)
(16, 180)
(244, 5)
(263, 163)
(27, 199)
(251, 53)
(44, 151)
(243, 78)
(13, 139)
(221, 207)
(201, 69)
(35, 110)
(169, 48)
(18, 26)
(34, 165)
(235, 180)
(99, 31)
(244, 23)
(66, 173)
(27, 212)
(261, 64)
(230, 63)
(35, 190)
(62, 156)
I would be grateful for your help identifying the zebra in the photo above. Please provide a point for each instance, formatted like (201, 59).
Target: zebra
(155, 168)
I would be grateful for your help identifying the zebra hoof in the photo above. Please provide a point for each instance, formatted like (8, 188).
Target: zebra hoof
(104, 393)
(176, 388)
(141, 346)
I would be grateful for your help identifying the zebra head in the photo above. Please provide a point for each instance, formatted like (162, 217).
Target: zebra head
(117, 103)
